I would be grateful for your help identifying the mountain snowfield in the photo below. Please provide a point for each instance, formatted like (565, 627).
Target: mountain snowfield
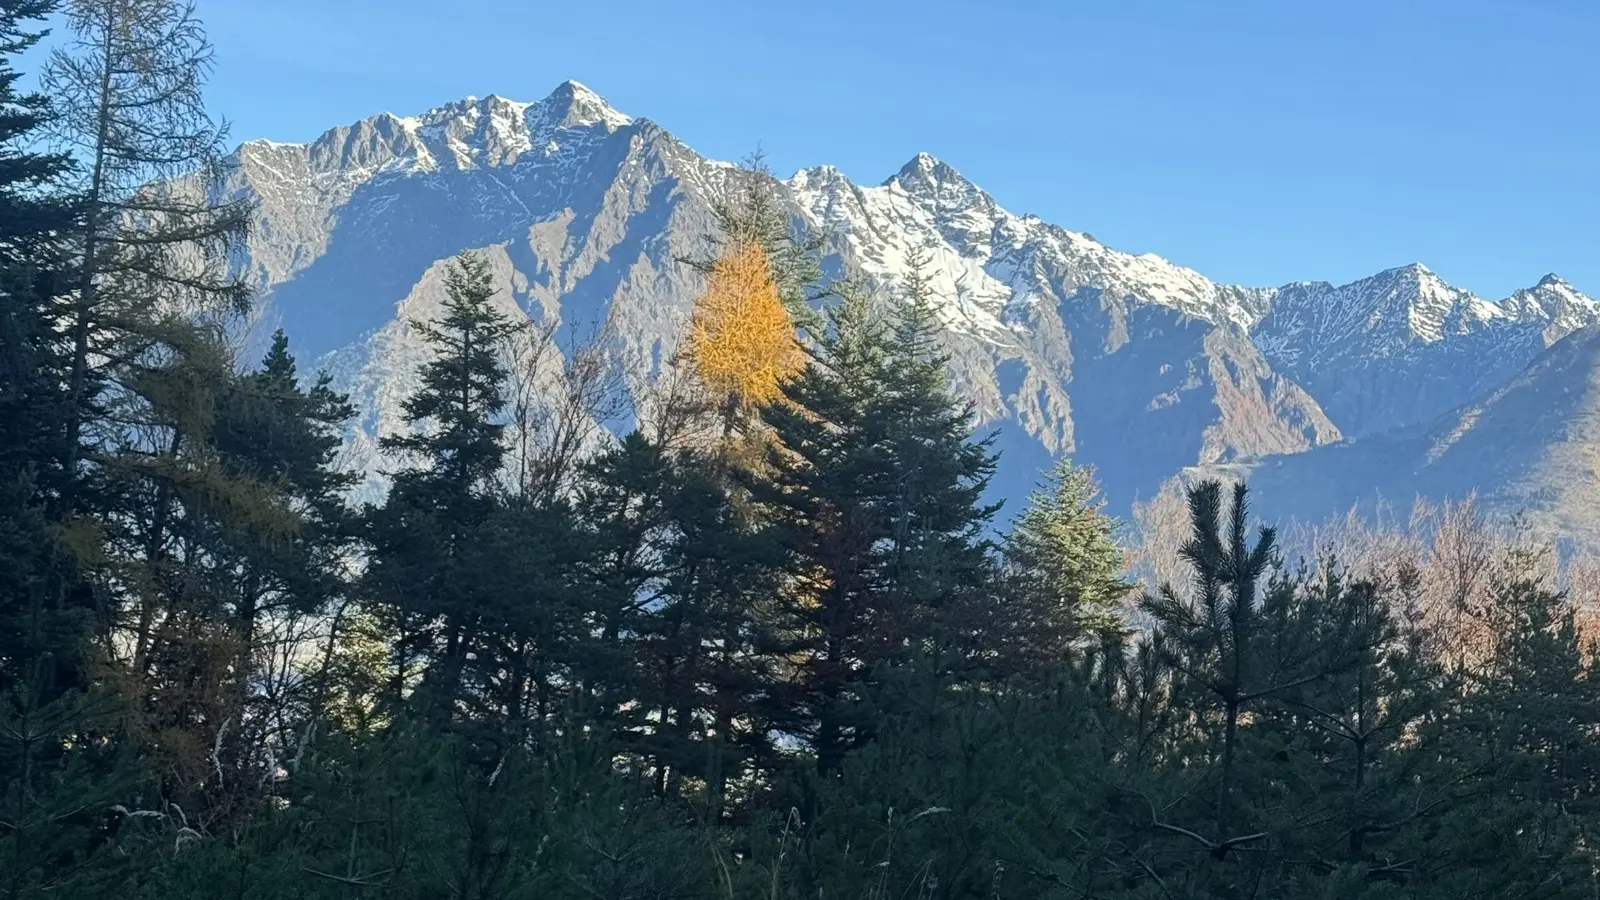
(1141, 367)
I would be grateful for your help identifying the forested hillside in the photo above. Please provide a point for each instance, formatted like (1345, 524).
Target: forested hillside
(773, 643)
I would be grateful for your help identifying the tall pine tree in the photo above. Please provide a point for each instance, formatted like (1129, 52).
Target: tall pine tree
(875, 486)
(1064, 566)
(60, 774)
(423, 537)
(154, 238)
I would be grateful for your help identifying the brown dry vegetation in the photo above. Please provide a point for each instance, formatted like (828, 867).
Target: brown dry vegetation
(1443, 563)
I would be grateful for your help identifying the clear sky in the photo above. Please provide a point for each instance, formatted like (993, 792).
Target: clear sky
(1259, 141)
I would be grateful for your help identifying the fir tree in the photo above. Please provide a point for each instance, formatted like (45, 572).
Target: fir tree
(875, 485)
(462, 389)
(825, 472)
(1064, 560)
(938, 521)
(423, 537)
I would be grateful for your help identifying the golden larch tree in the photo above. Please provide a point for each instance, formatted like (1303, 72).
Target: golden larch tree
(742, 342)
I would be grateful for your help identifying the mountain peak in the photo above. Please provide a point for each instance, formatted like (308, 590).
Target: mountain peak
(818, 176)
(926, 169)
(1558, 307)
(1070, 344)
(1414, 270)
(936, 185)
(574, 104)
(1551, 288)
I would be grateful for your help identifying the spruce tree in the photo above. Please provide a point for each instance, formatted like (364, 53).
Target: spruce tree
(462, 389)
(445, 493)
(1065, 566)
(702, 647)
(34, 265)
(874, 484)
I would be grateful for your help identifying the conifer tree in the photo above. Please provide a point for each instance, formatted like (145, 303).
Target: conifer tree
(153, 241)
(462, 389)
(1220, 641)
(614, 675)
(410, 812)
(1063, 558)
(761, 277)
(60, 776)
(533, 614)
(741, 340)
(34, 265)
(626, 497)
(702, 648)
(938, 520)
(1523, 724)
(875, 485)
(423, 535)
(824, 473)
(750, 212)
(272, 432)
(144, 363)
(1349, 741)
(206, 541)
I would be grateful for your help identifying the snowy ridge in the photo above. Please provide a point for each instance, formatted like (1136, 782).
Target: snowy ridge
(1553, 304)
(1353, 345)
(1130, 362)
(985, 255)
(1386, 313)
(980, 248)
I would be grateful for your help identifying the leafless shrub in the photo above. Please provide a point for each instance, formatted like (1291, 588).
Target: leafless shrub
(562, 404)
(1161, 526)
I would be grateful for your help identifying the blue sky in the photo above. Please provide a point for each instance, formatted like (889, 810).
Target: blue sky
(1259, 141)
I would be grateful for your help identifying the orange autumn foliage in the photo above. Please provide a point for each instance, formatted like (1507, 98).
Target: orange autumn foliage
(741, 340)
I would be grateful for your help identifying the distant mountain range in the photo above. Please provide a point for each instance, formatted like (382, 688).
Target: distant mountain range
(1397, 383)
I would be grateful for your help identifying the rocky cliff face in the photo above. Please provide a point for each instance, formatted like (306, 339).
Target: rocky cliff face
(1530, 446)
(1064, 345)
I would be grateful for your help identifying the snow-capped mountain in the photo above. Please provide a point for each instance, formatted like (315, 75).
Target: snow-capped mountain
(1403, 346)
(1129, 362)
